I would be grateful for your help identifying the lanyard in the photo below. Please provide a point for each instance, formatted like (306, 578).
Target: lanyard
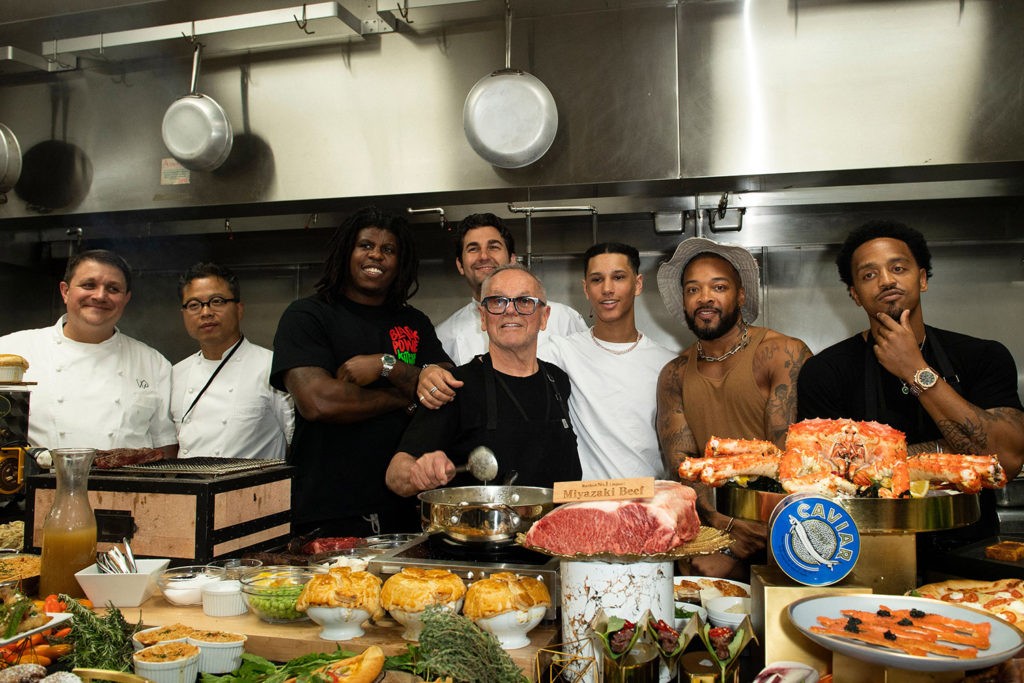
(206, 386)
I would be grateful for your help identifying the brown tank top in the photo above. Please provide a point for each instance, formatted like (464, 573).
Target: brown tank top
(731, 407)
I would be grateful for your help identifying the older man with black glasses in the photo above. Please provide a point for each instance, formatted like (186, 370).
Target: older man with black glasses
(509, 401)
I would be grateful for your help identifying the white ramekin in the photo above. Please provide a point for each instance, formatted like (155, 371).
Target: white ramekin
(223, 599)
(217, 657)
(182, 670)
(138, 646)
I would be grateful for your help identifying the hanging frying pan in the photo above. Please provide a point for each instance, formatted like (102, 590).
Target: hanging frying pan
(10, 161)
(196, 130)
(510, 117)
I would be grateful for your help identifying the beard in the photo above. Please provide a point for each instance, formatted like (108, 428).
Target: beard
(725, 323)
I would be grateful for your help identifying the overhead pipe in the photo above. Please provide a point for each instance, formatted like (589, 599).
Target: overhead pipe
(530, 210)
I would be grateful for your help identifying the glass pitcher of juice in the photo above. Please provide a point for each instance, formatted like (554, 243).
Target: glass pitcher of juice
(69, 531)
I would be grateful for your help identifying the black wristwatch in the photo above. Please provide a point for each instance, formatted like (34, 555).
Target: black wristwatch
(387, 362)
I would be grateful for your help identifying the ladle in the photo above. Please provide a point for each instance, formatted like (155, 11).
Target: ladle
(481, 464)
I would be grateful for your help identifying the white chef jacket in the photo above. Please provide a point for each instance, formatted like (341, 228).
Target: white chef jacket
(115, 394)
(613, 404)
(239, 415)
(462, 337)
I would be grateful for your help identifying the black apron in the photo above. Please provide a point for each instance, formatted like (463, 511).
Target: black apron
(540, 451)
(928, 544)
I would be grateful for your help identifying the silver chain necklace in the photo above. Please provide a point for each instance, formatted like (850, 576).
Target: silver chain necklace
(639, 336)
(740, 345)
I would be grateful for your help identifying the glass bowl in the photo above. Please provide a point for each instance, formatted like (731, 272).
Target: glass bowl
(271, 592)
(236, 568)
(184, 585)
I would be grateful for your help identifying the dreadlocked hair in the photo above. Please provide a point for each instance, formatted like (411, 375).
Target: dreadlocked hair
(337, 265)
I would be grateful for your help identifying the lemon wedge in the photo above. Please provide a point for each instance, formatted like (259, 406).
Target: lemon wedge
(919, 488)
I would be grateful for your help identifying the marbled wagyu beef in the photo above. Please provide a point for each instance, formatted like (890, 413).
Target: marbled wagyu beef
(639, 526)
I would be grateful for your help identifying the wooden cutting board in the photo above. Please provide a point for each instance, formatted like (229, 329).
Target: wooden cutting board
(281, 642)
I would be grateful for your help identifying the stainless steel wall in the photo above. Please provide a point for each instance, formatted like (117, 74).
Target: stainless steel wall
(645, 92)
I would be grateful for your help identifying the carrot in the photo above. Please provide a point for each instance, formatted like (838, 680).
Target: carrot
(62, 633)
(85, 602)
(53, 604)
(53, 652)
(31, 658)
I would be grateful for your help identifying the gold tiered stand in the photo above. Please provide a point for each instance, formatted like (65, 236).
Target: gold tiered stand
(887, 565)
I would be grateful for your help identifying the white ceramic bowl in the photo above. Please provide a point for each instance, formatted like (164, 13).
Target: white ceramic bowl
(691, 608)
(510, 628)
(184, 585)
(338, 623)
(138, 638)
(220, 652)
(223, 599)
(183, 670)
(728, 611)
(124, 590)
(412, 620)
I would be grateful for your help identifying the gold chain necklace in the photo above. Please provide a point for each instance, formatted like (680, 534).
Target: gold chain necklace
(744, 340)
(639, 336)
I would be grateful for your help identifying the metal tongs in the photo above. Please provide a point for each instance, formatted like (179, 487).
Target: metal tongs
(116, 562)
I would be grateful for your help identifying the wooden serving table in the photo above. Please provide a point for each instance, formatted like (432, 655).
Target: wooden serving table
(281, 642)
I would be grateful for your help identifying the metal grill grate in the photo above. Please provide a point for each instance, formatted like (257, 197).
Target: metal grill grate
(207, 466)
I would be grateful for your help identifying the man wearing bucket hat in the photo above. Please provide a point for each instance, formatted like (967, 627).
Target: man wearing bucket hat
(736, 381)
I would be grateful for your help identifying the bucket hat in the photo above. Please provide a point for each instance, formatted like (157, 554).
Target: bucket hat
(671, 272)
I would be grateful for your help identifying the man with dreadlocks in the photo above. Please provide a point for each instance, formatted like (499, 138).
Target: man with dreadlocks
(350, 355)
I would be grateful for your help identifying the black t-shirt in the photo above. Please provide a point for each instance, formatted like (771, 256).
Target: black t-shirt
(540, 446)
(834, 384)
(341, 466)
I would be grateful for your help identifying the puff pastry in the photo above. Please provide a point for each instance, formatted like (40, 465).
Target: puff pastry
(504, 592)
(414, 589)
(342, 587)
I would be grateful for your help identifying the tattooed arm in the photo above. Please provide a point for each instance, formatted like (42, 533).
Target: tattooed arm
(966, 428)
(779, 359)
(674, 435)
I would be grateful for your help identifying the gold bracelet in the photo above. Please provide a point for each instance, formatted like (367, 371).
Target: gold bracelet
(728, 527)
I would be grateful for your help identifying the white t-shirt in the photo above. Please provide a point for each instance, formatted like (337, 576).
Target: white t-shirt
(613, 404)
(462, 337)
(239, 415)
(115, 394)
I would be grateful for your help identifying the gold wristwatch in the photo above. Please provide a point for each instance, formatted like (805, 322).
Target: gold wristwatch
(924, 379)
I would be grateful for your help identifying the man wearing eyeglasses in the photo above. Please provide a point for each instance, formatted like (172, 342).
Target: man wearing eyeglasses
(97, 387)
(509, 401)
(221, 399)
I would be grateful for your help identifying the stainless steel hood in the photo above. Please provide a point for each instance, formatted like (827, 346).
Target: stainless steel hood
(663, 106)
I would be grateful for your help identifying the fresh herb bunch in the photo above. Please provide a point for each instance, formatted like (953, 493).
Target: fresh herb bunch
(100, 642)
(256, 669)
(452, 645)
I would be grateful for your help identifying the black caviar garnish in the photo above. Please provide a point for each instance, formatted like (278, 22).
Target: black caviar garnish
(904, 622)
(917, 614)
(889, 635)
(883, 613)
(854, 620)
(852, 625)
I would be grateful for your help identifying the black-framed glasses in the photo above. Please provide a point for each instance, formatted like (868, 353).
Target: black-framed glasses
(215, 303)
(524, 305)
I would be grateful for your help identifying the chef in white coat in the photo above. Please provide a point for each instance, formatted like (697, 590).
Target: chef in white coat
(97, 387)
(222, 402)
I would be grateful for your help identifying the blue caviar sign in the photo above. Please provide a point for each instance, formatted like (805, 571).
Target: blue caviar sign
(814, 540)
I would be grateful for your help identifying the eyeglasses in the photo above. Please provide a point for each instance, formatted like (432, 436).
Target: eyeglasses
(524, 305)
(215, 303)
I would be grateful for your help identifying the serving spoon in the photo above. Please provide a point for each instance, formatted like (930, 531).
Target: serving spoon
(482, 464)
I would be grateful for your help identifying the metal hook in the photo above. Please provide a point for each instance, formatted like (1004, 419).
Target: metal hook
(311, 220)
(191, 38)
(404, 12)
(723, 204)
(227, 228)
(434, 209)
(302, 24)
(53, 58)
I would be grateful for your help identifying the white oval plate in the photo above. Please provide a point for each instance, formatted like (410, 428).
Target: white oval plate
(56, 618)
(1004, 640)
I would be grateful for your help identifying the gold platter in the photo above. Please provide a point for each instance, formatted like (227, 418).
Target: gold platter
(933, 512)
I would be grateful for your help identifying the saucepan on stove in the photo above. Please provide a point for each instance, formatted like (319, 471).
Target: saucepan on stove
(483, 515)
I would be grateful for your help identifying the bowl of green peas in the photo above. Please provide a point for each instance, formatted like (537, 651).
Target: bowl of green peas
(271, 592)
